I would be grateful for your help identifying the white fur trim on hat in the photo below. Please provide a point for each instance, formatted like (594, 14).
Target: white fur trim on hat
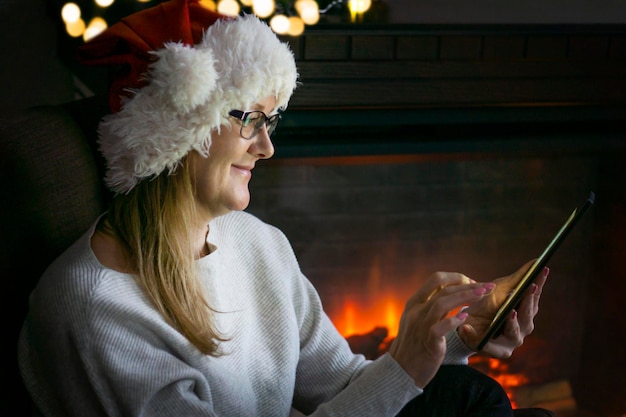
(191, 89)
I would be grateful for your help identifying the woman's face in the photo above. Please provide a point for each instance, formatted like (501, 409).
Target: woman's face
(222, 178)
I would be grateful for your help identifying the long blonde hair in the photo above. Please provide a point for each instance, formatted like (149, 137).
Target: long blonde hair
(153, 223)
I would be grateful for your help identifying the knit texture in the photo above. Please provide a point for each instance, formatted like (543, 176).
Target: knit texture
(93, 345)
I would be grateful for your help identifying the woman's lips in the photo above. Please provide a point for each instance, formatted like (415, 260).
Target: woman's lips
(246, 170)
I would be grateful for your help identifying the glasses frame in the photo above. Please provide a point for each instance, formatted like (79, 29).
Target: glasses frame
(270, 122)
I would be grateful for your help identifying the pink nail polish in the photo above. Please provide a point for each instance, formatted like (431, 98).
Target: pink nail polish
(462, 315)
(479, 291)
(489, 286)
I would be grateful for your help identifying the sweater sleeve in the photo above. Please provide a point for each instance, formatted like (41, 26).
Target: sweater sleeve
(332, 381)
(457, 352)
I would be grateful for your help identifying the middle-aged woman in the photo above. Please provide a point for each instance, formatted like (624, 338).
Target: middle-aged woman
(177, 303)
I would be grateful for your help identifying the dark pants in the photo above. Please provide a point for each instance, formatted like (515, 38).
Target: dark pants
(462, 391)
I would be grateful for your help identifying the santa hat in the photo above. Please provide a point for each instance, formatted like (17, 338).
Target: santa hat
(181, 69)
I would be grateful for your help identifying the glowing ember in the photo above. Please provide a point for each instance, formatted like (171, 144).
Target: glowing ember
(499, 371)
(370, 329)
(358, 319)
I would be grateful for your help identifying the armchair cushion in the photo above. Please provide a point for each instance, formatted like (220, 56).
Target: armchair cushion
(50, 177)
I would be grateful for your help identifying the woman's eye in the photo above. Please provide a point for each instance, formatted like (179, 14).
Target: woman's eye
(252, 119)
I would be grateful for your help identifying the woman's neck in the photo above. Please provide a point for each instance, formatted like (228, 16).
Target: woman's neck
(108, 251)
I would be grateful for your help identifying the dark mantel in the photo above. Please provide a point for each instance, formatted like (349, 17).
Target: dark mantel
(380, 89)
(460, 65)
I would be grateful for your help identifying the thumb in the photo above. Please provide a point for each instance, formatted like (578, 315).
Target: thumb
(468, 334)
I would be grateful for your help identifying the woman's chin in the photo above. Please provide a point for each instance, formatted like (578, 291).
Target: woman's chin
(240, 204)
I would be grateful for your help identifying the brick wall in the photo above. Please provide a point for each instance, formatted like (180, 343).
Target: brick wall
(364, 230)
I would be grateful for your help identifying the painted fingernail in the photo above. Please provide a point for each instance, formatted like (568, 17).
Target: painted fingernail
(488, 286)
(534, 288)
(462, 315)
(479, 291)
(546, 271)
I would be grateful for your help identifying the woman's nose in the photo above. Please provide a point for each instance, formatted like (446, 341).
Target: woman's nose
(262, 144)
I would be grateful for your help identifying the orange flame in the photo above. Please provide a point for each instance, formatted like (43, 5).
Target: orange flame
(499, 370)
(358, 319)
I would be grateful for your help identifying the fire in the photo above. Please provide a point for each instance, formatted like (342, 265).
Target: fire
(499, 370)
(378, 306)
(359, 319)
(360, 324)
(370, 323)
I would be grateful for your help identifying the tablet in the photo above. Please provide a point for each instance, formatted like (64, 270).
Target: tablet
(520, 289)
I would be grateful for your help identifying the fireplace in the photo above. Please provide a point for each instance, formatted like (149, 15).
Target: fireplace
(415, 148)
(368, 231)
(386, 172)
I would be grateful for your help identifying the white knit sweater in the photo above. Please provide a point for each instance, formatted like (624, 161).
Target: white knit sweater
(93, 345)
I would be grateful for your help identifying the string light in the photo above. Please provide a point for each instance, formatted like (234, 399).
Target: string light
(95, 26)
(228, 7)
(104, 3)
(357, 8)
(70, 13)
(289, 17)
(263, 8)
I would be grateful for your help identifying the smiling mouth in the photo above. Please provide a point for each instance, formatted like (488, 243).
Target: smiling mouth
(243, 169)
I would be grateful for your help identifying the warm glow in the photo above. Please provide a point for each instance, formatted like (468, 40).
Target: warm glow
(360, 318)
(378, 306)
(263, 8)
(499, 371)
(75, 29)
(96, 26)
(308, 11)
(247, 3)
(349, 327)
(228, 7)
(104, 3)
(392, 315)
(143, 1)
(296, 26)
(279, 24)
(70, 13)
(358, 7)
(209, 5)
(98, 23)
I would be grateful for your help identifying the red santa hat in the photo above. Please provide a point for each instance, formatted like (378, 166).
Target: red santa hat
(180, 69)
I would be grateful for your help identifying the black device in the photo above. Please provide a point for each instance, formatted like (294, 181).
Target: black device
(518, 292)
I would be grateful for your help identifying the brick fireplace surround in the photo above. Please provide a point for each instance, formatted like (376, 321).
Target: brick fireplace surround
(464, 148)
(409, 149)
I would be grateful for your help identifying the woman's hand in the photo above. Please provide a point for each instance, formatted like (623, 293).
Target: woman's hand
(517, 326)
(420, 344)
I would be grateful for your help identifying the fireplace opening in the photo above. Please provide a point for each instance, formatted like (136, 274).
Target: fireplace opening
(368, 230)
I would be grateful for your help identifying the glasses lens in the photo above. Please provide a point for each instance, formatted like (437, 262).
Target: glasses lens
(254, 121)
(251, 124)
(271, 123)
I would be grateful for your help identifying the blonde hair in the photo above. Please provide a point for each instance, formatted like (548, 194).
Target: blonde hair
(153, 223)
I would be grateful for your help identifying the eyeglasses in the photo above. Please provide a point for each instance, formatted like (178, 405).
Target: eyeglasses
(253, 121)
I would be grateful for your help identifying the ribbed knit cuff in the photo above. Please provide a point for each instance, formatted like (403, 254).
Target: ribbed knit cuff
(457, 352)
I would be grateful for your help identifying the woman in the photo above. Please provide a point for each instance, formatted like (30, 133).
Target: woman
(178, 303)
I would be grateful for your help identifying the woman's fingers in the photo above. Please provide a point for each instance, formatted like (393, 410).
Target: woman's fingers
(420, 344)
(529, 306)
(520, 322)
(438, 281)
